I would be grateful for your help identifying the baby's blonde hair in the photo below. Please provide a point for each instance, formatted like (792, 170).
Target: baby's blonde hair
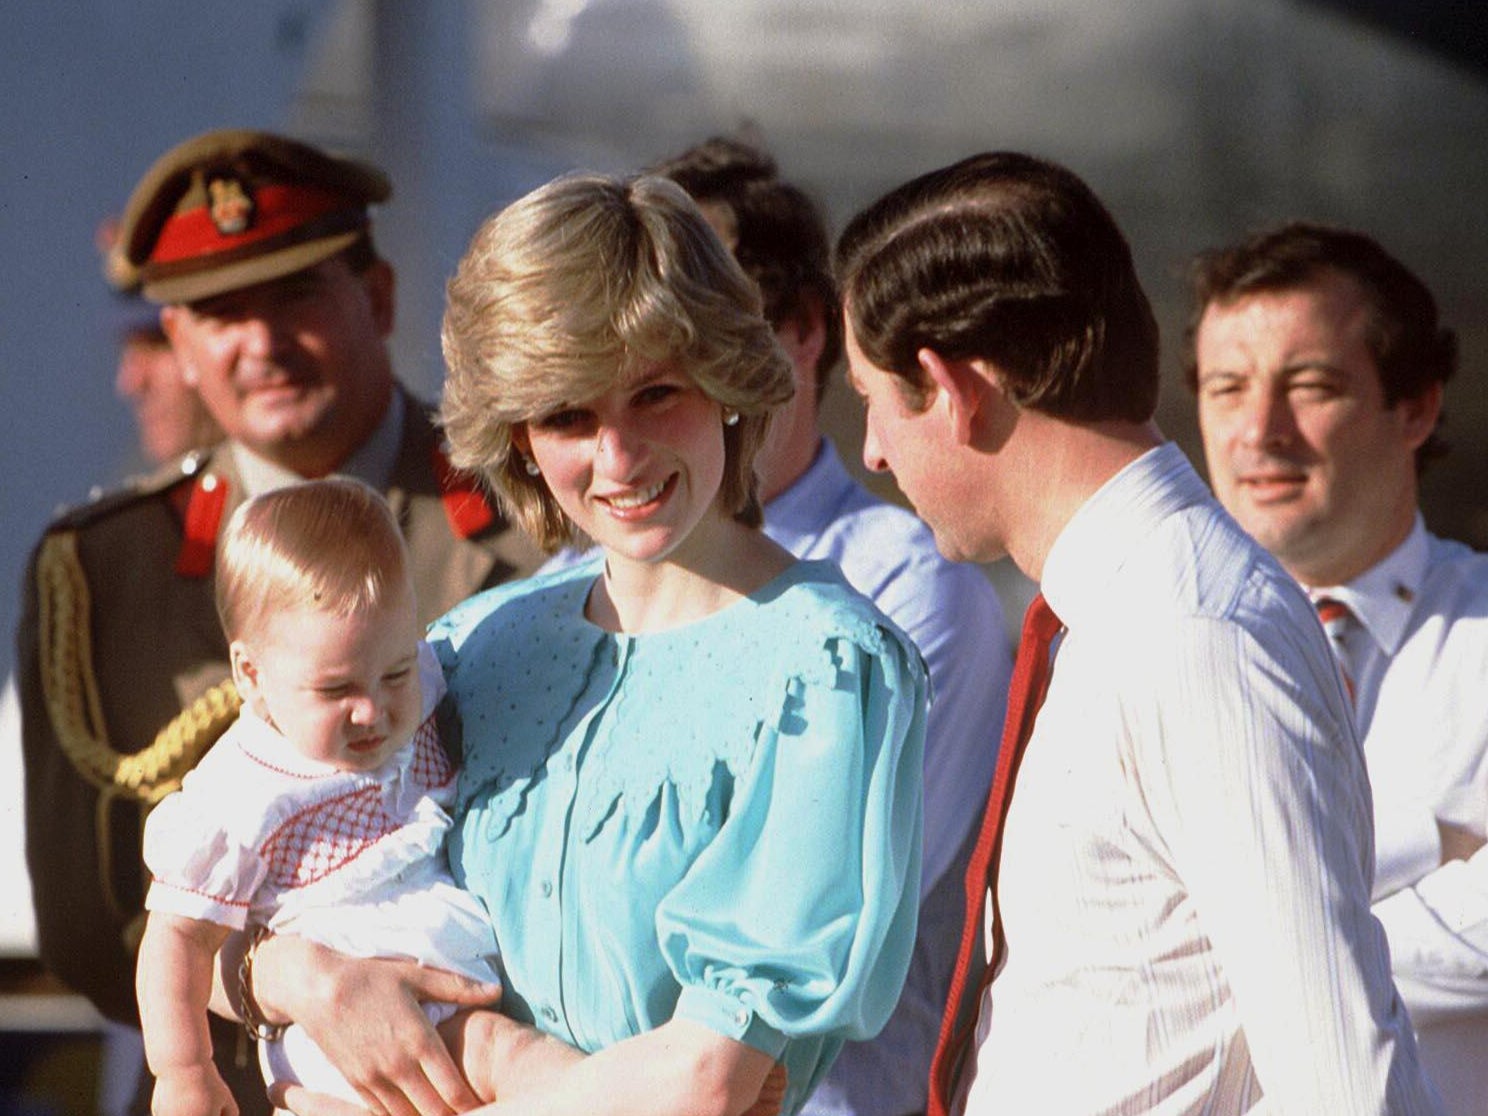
(331, 545)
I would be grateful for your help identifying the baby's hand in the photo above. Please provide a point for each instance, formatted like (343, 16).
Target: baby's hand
(192, 1091)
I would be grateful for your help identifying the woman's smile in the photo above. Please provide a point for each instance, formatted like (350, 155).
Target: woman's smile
(639, 500)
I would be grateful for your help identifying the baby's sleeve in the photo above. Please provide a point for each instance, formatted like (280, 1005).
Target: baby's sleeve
(197, 869)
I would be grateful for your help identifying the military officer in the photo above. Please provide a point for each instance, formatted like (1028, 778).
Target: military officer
(258, 249)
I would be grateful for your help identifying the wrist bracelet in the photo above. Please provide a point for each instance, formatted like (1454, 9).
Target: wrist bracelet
(259, 1029)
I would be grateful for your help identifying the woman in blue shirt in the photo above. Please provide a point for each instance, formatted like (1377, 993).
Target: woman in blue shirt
(691, 792)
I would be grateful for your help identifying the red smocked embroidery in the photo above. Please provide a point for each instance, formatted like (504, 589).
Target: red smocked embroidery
(430, 766)
(324, 837)
(317, 841)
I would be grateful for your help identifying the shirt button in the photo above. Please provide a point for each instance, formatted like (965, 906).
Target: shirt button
(549, 1014)
(547, 889)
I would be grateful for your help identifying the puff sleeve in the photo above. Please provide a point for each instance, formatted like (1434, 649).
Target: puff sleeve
(198, 870)
(795, 924)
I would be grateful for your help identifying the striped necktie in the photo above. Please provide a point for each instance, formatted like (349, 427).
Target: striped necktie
(1026, 692)
(1336, 618)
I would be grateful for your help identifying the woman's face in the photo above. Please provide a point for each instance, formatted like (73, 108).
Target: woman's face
(636, 468)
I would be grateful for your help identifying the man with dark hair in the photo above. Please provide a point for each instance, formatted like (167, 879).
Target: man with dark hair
(1179, 863)
(278, 308)
(1319, 364)
(815, 509)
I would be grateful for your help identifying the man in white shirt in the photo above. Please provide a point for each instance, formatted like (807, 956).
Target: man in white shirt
(1319, 364)
(815, 509)
(1183, 888)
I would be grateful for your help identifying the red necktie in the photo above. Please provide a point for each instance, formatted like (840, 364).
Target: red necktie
(1025, 694)
(1335, 616)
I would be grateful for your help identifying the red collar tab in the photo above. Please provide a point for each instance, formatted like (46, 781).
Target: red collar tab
(235, 217)
(203, 516)
(465, 505)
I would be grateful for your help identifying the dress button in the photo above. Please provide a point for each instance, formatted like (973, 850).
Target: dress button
(547, 889)
(741, 1017)
(550, 1015)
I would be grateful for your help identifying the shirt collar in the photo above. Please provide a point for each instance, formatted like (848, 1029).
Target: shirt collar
(372, 462)
(1095, 544)
(1383, 596)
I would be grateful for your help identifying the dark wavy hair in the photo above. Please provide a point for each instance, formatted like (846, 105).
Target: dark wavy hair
(1012, 259)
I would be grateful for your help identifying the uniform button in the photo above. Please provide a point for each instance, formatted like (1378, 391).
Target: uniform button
(550, 1015)
(547, 888)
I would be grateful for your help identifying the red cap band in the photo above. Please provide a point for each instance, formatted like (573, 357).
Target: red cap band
(277, 210)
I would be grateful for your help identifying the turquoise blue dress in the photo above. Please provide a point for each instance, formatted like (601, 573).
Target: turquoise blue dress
(720, 822)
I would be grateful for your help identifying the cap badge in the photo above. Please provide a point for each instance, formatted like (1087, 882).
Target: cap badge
(231, 206)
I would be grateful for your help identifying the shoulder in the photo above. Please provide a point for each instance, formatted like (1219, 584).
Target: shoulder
(146, 491)
(139, 530)
(530, 603)
(846, 522)
(812, 606)
(221, 793)
(1199, 565)
(1459, 573)
(1447, 634)
(1196, 592)
(871, 534)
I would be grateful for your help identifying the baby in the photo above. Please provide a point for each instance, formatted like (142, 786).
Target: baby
(321, 812)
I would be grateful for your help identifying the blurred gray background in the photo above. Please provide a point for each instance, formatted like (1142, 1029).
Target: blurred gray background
(1195, 120)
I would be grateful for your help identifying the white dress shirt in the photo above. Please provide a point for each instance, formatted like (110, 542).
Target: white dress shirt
(1187, 859)
(1418, 655)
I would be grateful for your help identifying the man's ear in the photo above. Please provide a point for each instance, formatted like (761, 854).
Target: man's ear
(382, 287)
(961, 385)
(1419, 415)
(170, 325)
(803, 334)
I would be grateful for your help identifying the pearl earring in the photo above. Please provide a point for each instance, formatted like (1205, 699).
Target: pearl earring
(730, 417)
(531, 467)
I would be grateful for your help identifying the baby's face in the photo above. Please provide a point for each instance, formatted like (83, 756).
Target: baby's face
(344, 690)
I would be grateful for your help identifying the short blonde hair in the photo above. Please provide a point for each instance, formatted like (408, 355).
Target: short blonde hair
(571, 290)
(330, 544)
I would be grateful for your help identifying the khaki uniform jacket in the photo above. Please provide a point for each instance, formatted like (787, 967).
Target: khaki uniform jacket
(115, 642)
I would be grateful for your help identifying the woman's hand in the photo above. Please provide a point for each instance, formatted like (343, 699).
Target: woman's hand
(365, 1014)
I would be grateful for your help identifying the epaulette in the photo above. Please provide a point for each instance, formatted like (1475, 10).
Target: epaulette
(65, 644)
(102, 503)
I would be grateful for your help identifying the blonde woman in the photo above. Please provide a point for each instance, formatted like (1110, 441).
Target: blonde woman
(691, 793)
